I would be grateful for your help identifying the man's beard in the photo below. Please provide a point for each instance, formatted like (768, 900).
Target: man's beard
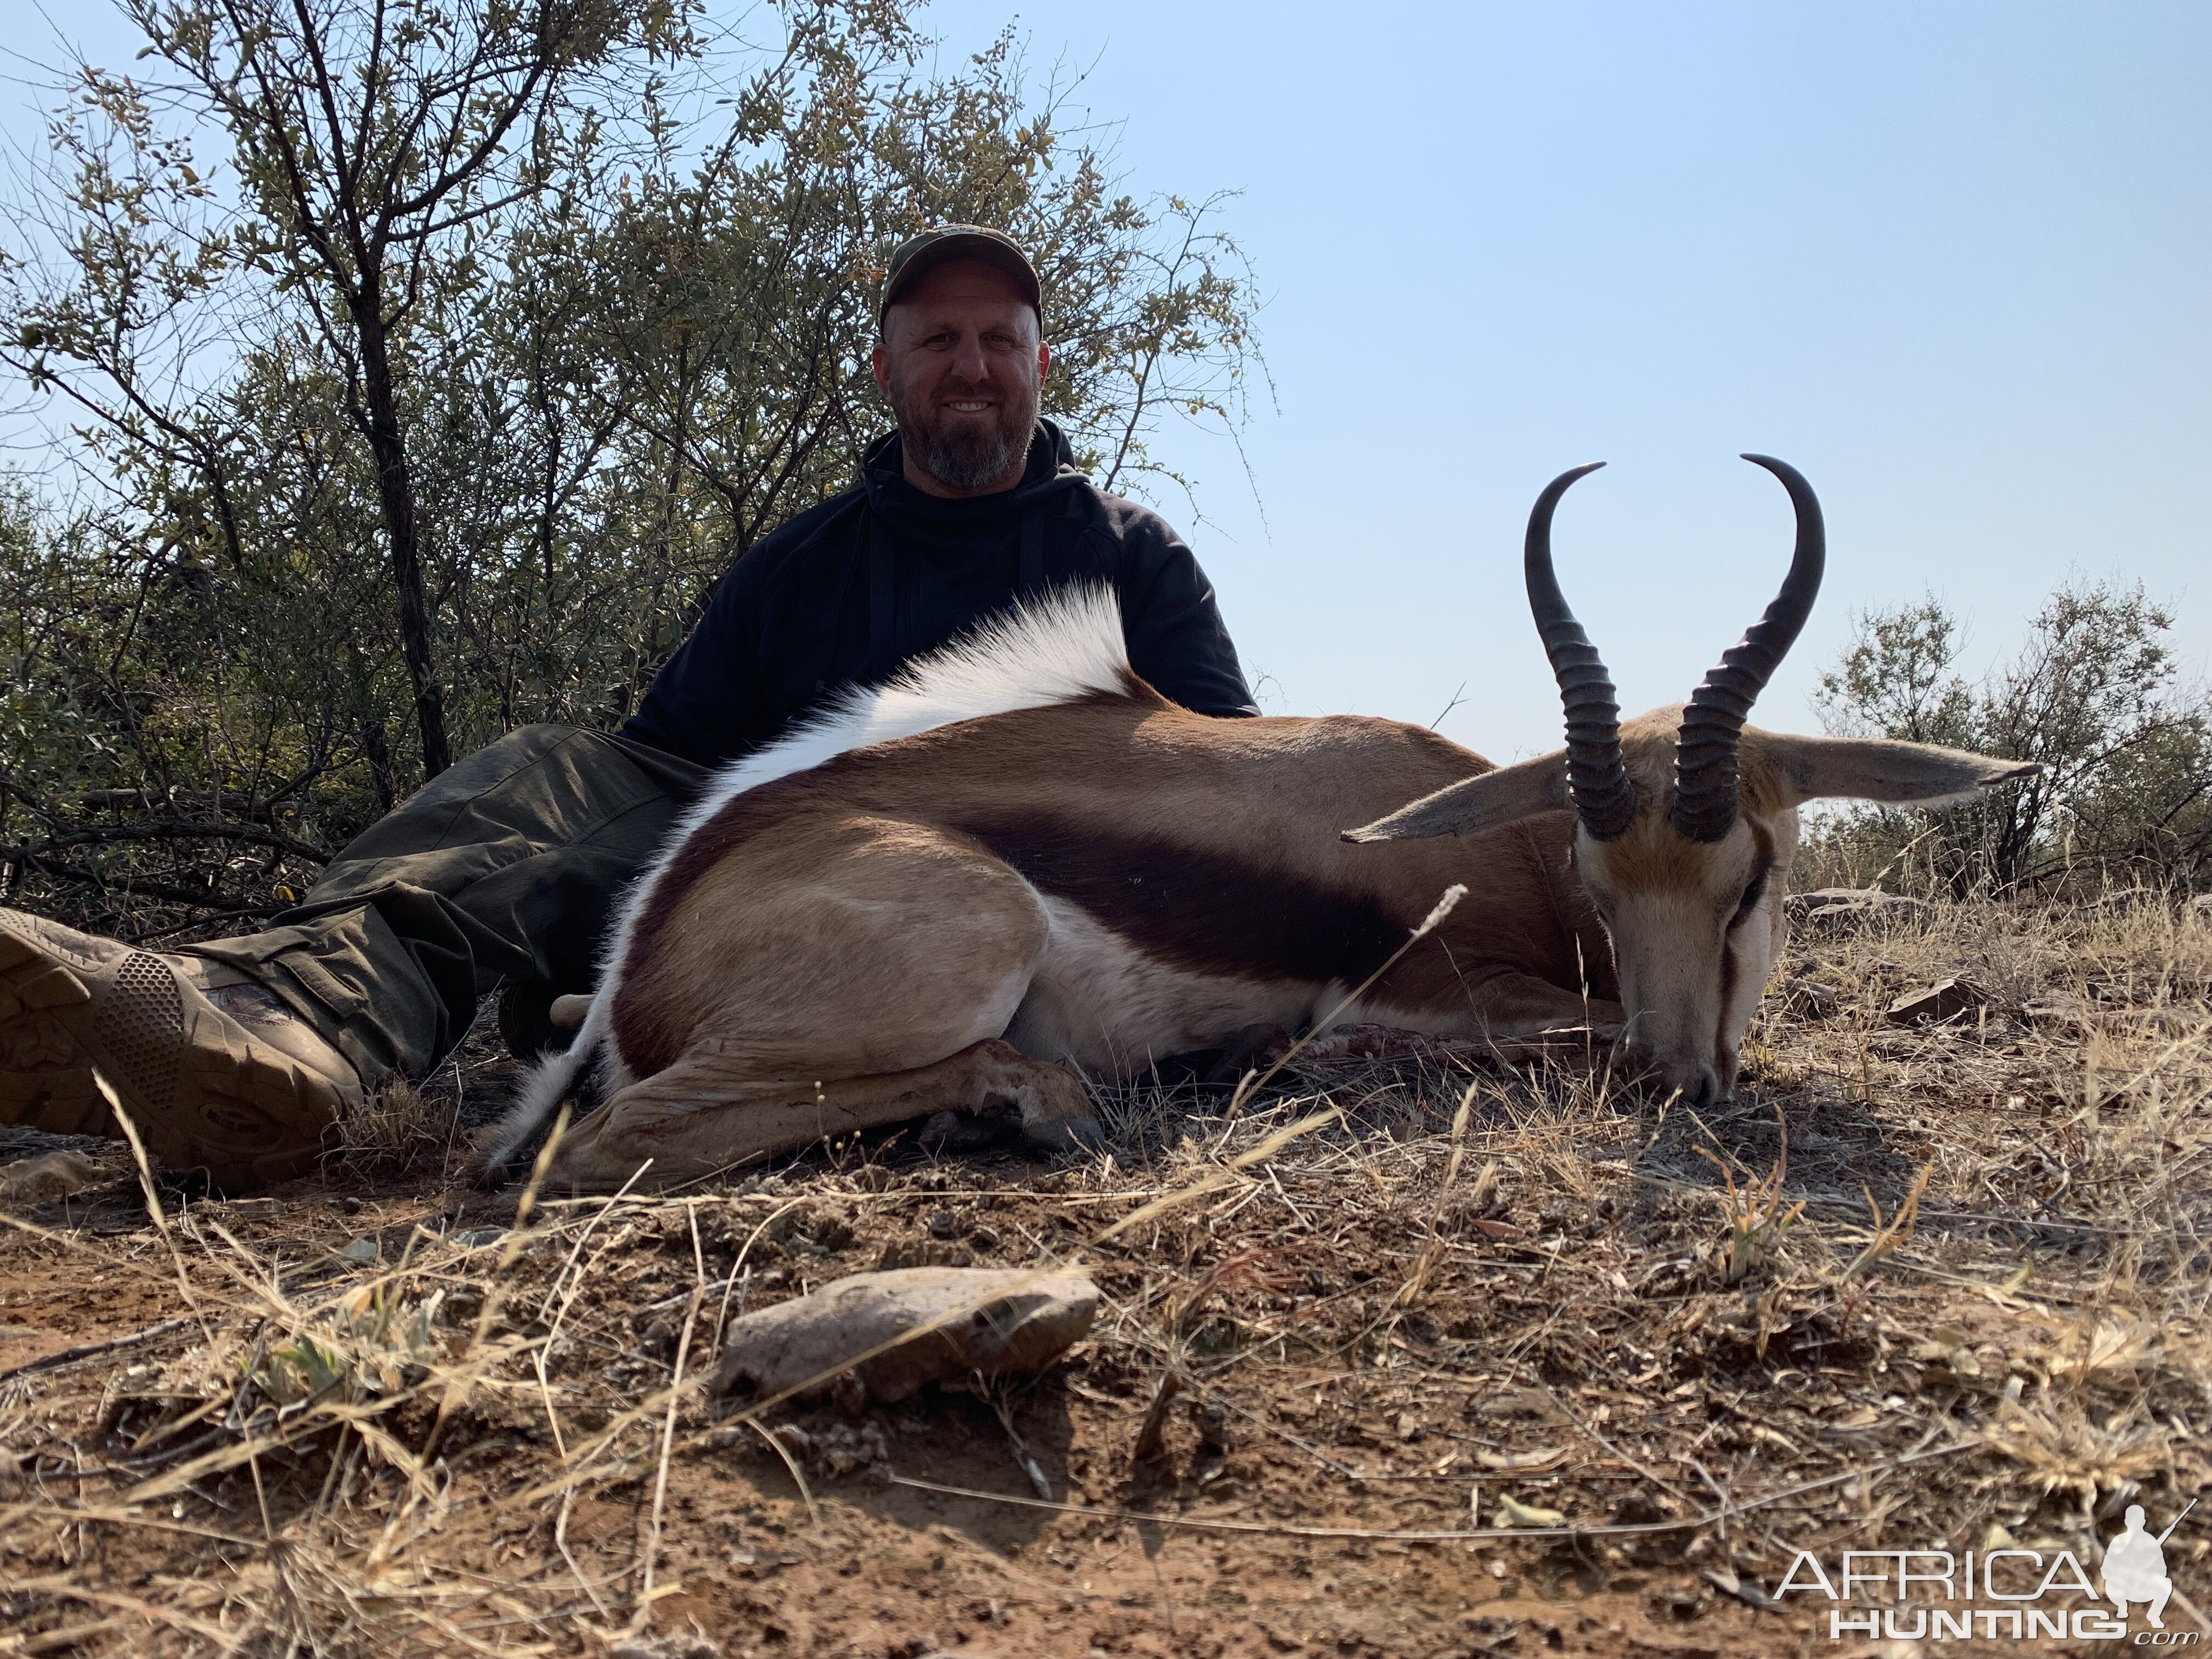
(969, 460)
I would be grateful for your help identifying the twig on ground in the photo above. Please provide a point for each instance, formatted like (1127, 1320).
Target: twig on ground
(93, 1350)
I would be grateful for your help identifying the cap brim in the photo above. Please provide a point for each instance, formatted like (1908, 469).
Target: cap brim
(986, 249)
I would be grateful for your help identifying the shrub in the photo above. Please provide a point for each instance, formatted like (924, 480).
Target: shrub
(2094, 695)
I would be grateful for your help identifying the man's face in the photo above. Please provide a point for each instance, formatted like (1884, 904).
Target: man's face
(962, 366)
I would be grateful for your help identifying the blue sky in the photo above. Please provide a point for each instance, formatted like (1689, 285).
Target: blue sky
(1952, 260)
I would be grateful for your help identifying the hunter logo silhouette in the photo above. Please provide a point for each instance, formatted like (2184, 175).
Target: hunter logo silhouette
(2135, 1566)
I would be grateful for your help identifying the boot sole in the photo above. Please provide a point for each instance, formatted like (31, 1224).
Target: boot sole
(201, 1094)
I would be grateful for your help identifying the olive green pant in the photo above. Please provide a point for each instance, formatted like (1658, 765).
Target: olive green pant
(499, 875)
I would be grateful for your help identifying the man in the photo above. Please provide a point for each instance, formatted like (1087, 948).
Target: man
(238, 1054)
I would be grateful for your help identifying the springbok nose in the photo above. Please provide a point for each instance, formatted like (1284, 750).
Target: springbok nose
(1698, 1086)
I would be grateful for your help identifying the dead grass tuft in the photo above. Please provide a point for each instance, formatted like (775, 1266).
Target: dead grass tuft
(400, 1130)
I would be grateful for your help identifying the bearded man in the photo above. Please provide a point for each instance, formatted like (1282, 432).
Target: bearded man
(238, 1055)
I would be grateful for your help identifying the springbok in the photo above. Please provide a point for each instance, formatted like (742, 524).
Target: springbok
(1018, 862)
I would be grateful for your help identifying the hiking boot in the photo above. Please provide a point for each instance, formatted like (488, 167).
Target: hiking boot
(215, 1070)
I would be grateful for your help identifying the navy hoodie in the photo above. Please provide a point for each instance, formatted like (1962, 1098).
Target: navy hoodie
(845, 593)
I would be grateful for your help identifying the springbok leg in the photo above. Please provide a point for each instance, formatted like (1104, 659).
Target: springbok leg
(702, 1115)
(1513, 1007)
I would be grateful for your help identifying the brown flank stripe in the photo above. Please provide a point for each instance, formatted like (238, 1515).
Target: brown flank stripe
(1197, 909)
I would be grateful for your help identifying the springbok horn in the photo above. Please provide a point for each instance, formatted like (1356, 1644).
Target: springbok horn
(1705, 786)
(1604, 799)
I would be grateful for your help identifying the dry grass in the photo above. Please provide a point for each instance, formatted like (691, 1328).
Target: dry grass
(405, 1129)
(398, 1130)
(1591, 1352)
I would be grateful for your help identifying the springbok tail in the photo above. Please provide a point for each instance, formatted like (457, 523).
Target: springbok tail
(541, 1092)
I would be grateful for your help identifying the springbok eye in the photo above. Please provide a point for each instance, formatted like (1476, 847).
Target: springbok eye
(1752, 895)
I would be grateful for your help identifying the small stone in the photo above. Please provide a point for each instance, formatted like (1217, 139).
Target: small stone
(1946, 1000)
(944, 1225)
(963, 1320)
(363, 1250)
(1809, 999)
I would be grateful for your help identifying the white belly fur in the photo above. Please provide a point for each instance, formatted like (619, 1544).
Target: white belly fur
(1099, 1004)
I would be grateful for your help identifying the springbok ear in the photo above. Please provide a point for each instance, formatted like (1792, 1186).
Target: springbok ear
(1473, 804)
(1882, 769)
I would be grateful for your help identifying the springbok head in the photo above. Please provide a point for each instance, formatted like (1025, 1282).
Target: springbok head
(1685, 817)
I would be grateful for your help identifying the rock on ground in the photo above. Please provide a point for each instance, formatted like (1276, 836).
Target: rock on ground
(979, 1319)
